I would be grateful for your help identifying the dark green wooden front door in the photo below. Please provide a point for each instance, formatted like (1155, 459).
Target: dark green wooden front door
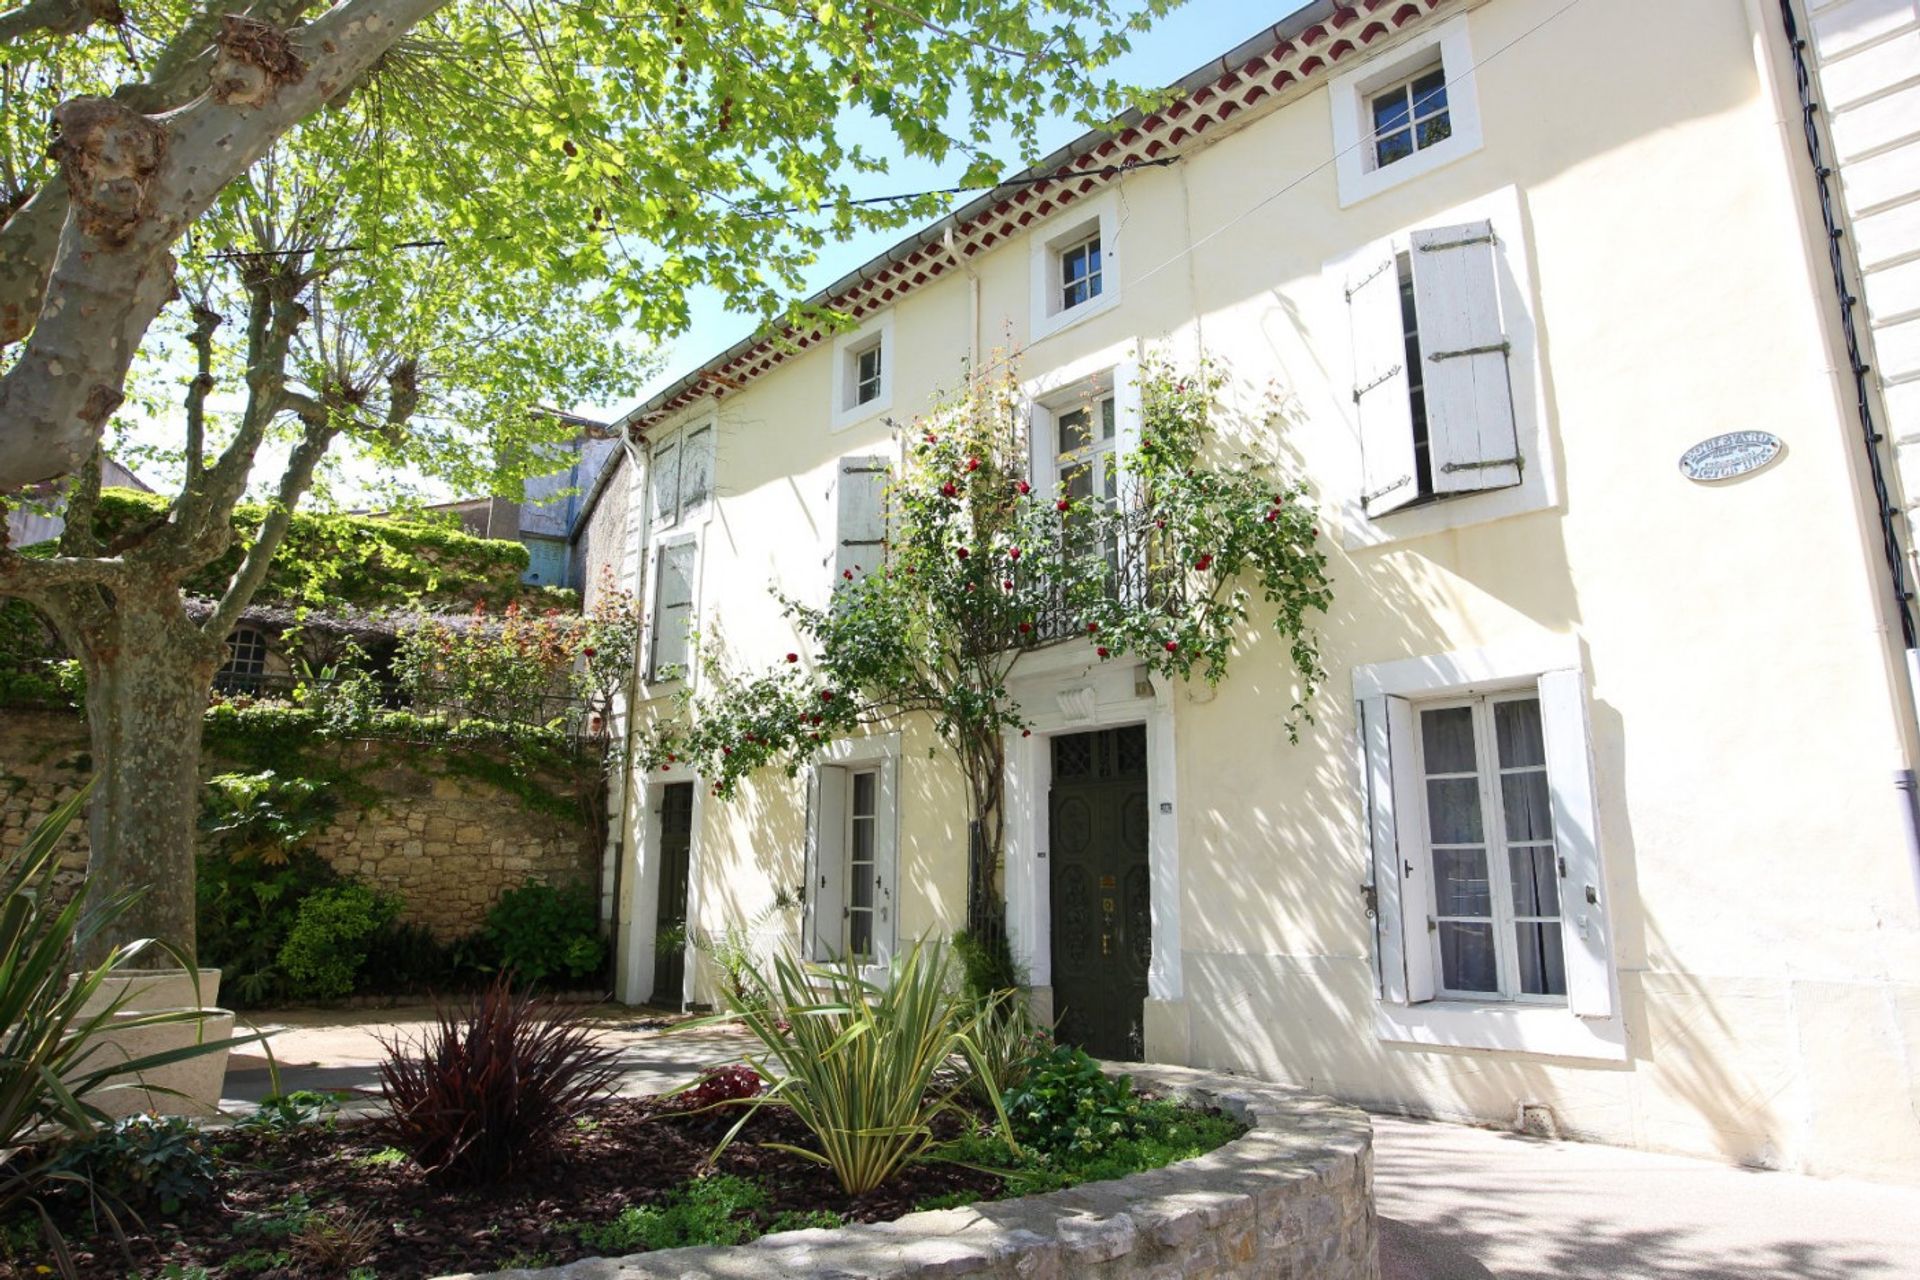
(670, 917)
(1102, 909)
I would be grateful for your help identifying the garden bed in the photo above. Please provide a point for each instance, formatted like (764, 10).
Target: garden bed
(331, 1199)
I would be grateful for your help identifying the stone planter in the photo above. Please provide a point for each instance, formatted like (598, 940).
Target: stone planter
(1292, 1198)
(195, 1082)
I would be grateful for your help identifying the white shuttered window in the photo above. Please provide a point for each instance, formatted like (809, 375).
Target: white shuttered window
(860, 522)
(1431, 381)
(852, 843)
(682, 474)
(1485, 857)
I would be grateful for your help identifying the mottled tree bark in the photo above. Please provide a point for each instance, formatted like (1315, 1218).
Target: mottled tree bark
(148, 670)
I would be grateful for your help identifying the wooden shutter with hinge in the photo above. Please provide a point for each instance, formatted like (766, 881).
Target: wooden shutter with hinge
(1380, 398)
(1463, 355)
(860, 543)
(1576, 837)
(1401, 870)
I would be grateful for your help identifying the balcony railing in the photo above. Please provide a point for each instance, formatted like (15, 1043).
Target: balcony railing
(1142, 571)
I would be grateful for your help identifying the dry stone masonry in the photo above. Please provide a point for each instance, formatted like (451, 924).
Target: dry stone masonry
(1292, 1199)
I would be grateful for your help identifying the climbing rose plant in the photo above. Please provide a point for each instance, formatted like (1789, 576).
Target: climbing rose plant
(985, 562)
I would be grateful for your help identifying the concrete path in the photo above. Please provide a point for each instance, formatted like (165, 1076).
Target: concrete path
(1456, 1203)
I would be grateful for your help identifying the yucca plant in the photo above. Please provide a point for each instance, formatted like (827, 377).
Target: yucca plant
(55, 1059)
(489, 1085)
(1010, 1040)
(856, 1060)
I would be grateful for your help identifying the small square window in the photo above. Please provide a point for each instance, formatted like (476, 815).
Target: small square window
(1410, 116)
(1080, 273)
(866, 375)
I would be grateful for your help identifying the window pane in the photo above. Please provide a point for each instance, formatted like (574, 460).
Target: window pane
(1106, 418)
(1390, 110)
(1078, 481)
(1536, 882)
(1529, 810)
(862, 863)
(1453, 811)
(863, 795)
(676, 576)
(1076, 430)
(860, 933)
(1430, 93)
(1394, 146)
(1516, 727)
(1466, 957)
(1434, 129)
(1446, 736)
(1460, 885)
(670, 640)
(1543, 969)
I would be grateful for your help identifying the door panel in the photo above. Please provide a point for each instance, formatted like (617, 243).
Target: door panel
(670, 916)
(1102, 913)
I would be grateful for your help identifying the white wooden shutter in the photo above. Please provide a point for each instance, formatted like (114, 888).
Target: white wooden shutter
(665, 467)
(860, 543)
(696, 468)
(1576, 837)
(886, 863)
(1463, 358)
(826, 887)
(673, 606)
(1129, 420)
(1380, 397)
(1401, 869)
(810, 873)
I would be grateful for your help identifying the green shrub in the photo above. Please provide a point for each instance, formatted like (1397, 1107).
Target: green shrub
(539, 931)
(264, 814)
(986, 963)
(246, 908)
(1160, 1133)
(712, 1210)
(146, 1162)
(854, 1060)
(330, 937)
(1010, 1042)
(1068, 1106)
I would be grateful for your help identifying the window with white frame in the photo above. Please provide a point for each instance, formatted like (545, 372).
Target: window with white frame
(852, 839)
(1410, 116)
(1489, 835)
(1075, 267)
(682, 468)
(1405, 112)
(1086, 464)
(1432, 387)
(673, 595)
(1486, 864)
(863, 371)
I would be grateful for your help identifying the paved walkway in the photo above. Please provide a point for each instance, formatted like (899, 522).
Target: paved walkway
(1456, 1203)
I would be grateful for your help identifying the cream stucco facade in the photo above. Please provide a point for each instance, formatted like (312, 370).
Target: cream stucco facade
(1719, 665)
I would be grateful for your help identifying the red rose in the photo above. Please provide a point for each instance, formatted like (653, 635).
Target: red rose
(1171, 647)
(1024, 488)
(793, 657)
(1204, 563)
(961, 552)
(932, 438)
(826, 695)
(1026, 733)
(1272, 516)
(1008, 584)
(1025, 627)
(948, 490)
(1013, 553)
(589, 652)
(847, 574)
(1093, 628)
(1102, 651)
(973, 464)
(1062, 505)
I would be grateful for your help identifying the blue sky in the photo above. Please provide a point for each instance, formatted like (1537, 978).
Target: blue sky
(1199, 31)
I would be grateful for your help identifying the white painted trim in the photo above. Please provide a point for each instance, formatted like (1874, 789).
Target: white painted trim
(662, 543)
(880, 750)
(1547, 1030)
(1469, 671)
(1060, 232)
(1350, 93)
(1046, 698)
(845, 412)
(1539, 487)
(644, 900)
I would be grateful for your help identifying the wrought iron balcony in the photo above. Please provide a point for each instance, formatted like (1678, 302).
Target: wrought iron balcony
(1142, 571)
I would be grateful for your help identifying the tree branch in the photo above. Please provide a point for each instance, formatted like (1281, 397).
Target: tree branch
(78, 537)
(205, 321)
(134, 185)
(294, 484)
(57, 17)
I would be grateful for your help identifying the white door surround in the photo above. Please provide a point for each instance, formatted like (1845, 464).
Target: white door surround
(643, 901)
(1069, 690)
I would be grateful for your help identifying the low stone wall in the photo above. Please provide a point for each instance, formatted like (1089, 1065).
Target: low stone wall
(450, 845)
(1292, 1198)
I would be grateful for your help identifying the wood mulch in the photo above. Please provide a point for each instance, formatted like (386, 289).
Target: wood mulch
(630, 1151)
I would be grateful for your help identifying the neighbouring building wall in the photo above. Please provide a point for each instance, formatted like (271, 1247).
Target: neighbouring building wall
(448, 844)
(599, 542)
(1740, 710)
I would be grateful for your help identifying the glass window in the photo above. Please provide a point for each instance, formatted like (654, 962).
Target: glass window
(1080, 272)
(1416, 379)
(246, 664)
(1489, 827)
(1411, 116)
(862, 815)
(866, 375)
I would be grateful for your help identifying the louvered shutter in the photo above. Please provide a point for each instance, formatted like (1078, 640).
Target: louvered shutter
(1576, 837)
(1401, 869)
(1380, 397)
(861, 527)
(1463, 358)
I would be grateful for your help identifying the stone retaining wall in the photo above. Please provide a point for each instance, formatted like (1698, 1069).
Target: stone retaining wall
(1293, 1198)
(448, 844)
